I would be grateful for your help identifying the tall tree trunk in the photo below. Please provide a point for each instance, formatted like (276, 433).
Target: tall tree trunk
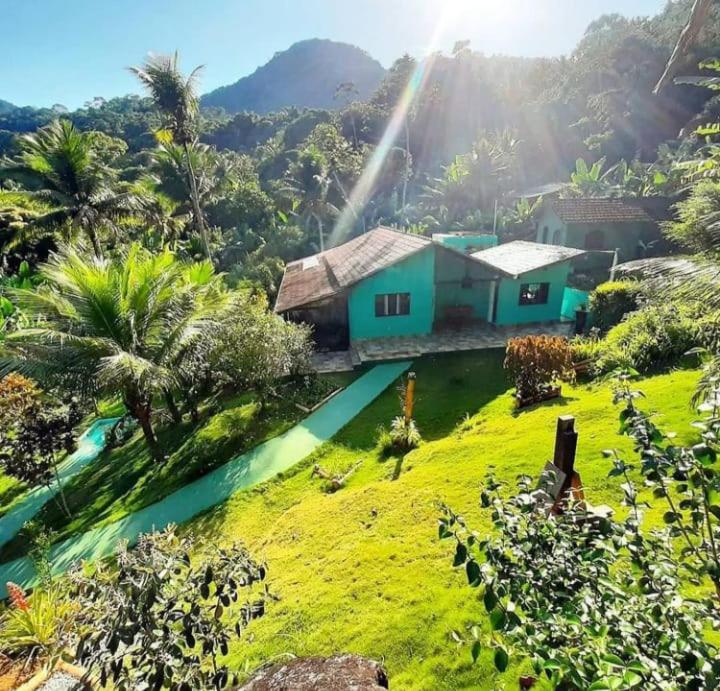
(61, 491)
(142, 411)
(172, 407)
(94, 240)
(195, 198)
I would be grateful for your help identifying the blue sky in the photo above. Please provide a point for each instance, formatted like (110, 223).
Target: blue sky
(68, 51)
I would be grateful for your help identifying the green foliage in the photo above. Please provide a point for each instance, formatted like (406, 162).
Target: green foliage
(403, 436)
(686, 478)
(611, 301)
(124, 326)
(593, 602)
(63, 166)
(34, 430)
(656, 336)
(698, 229)
(172, 617)
(255, 348)
(38, 628)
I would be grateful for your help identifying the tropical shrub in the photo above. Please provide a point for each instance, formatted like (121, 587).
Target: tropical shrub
(404, 433)
(122, 326)
(611, 301)
(34, 431)
(593, 603)
(537, 362)
(585, 348)
(38, 627)
(255, 348)
(708, 332)
(159, 619)
(655, 336)
(686, 478)
(696, 227)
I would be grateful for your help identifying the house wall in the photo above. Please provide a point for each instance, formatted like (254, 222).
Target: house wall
(510, 311)
(550, 230)
(450, 270)
(414, 275)
(623, 236)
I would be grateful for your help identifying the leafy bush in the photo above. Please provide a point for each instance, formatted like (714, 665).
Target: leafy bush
(159, 620)
(611, 301)
(593, 603)
(585, 348)
(708, 332)
(403, 436)
(537, 362)
(654, 336)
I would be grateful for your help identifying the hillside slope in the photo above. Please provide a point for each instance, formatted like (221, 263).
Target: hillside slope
(362, 570)
(305, 75)
(6, 106)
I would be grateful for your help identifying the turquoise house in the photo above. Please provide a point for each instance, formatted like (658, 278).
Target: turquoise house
(388, 283)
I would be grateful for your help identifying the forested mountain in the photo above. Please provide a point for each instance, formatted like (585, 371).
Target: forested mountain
(305, 75)
(6, 106)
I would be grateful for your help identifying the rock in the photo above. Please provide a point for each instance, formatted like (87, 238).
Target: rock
(336, 673)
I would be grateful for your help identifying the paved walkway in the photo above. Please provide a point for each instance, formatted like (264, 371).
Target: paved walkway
(257, 465)
(410, 347)
(90, 444)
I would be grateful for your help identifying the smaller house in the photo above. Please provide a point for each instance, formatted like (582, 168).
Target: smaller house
(387, 283)
(630, 225)
(535, 286)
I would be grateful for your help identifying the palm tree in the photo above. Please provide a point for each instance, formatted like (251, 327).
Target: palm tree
(120, 326)
(59, 165)
(176, 98)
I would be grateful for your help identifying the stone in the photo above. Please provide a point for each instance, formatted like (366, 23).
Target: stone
(337, 673)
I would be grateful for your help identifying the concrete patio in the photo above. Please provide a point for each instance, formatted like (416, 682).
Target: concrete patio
(448, 341)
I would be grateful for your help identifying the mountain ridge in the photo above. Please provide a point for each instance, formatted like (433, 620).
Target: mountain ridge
(306, 75)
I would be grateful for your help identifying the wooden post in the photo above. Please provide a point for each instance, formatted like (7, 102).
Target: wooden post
(565, 444)
(409, 396)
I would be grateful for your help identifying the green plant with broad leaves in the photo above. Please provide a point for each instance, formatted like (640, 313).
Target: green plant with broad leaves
(686, 478)
(160, 618)
(591, 602)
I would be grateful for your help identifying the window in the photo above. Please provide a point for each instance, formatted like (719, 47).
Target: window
(545, 232)
(392, 304)
(557, 237)
(534, 293)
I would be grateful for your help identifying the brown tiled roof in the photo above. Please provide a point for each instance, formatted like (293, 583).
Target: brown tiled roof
(327, 273)
(519, 257)
(600, 210)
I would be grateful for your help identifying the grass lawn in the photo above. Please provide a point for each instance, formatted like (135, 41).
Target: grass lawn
(362, 570)
(126, 479)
